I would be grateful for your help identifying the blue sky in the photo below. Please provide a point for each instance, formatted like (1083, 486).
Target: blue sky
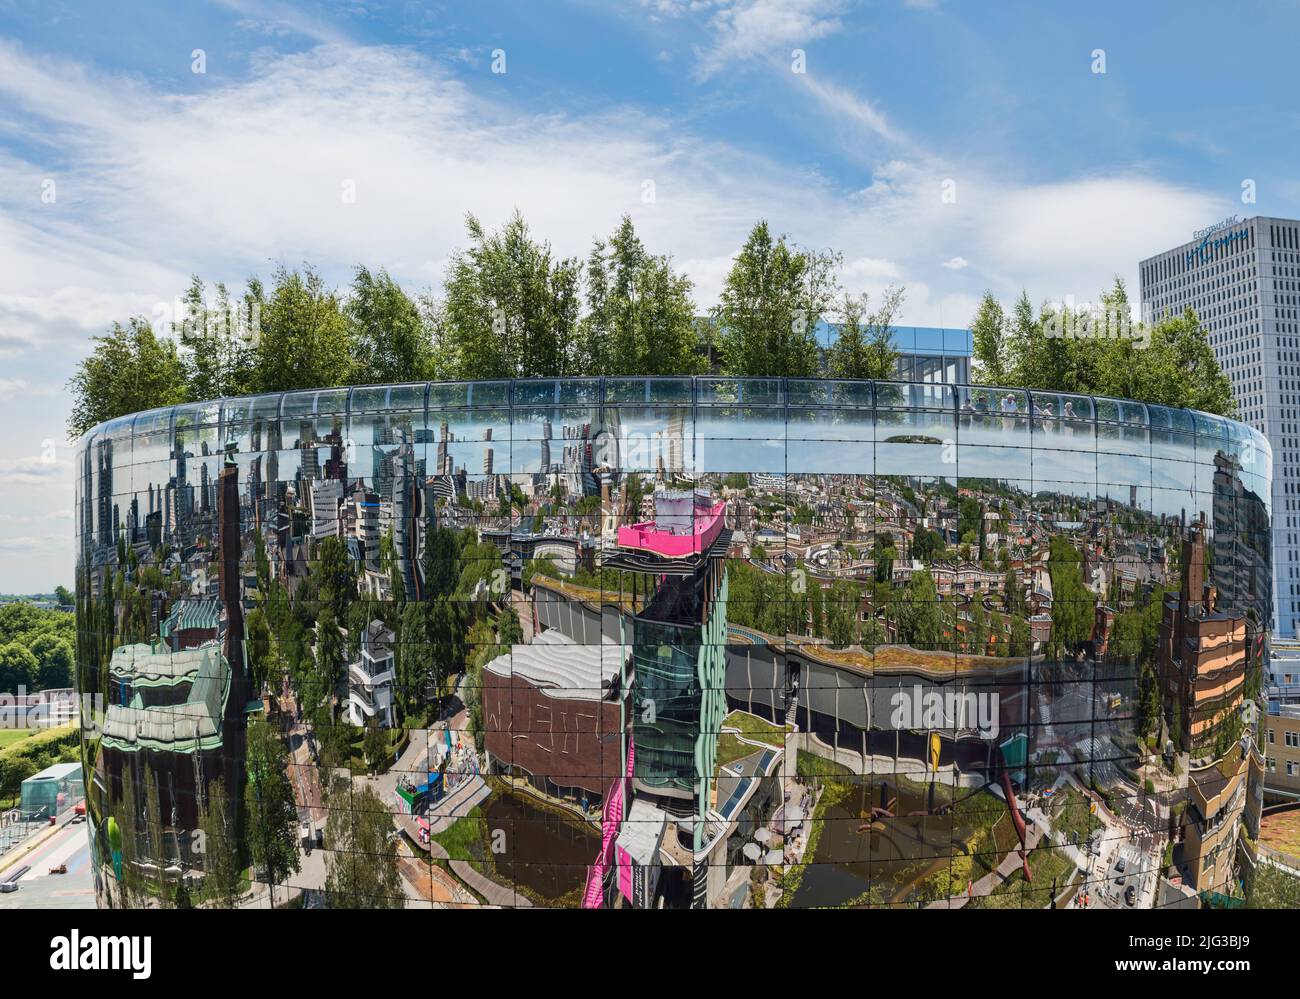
(1063, 176)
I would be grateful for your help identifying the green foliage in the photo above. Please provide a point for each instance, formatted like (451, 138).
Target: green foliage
(219, 353)
(328, 666)
(33, 754)
(222, 871)
(18, 667)
(989, 345)
(841, 613)
(1170, 363)
(305, 341)
(921, 622)
(1073, 604)
(391, 338)
(129, 370)
(511, 308)
(771, 302)
(1270, 887)
(763, 601)
(36, 647)
(864, 347)
(361, 865)
(332, 579)
(374, 743)
(442, 566)
(269, 804)
(640, 318)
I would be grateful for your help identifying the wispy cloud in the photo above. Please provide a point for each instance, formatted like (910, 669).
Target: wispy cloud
(847, 107)
(272, 17)
(762, 29)
(34, 544)
(32, 471)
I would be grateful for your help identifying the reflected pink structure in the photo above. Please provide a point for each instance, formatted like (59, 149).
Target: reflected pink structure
(593, 896)
(688, 529)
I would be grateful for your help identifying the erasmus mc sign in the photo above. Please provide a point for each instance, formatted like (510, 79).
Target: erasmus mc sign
(1209, 243)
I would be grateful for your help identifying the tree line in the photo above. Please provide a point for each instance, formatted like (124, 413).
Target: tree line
(1169, 362)
(511, 307)
(36, 648)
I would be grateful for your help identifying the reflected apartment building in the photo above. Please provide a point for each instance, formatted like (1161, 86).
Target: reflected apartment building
(681, 642)
(1239, 276)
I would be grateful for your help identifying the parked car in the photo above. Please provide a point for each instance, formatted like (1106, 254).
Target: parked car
(1131, 895)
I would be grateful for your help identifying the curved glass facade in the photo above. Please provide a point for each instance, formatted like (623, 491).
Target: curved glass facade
(671, 642)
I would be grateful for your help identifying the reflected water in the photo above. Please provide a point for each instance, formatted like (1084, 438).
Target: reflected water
(544, 852)
(864, 854)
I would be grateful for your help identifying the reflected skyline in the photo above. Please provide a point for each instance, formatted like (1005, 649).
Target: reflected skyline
(492, 597)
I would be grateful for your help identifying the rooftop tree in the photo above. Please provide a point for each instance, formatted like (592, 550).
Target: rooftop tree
(511, 307)
(640, 318)
(771, 302)
(864, 347)
(129, 370)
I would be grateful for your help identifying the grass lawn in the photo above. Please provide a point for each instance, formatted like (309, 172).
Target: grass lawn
(754, 727)
(464, 838)
(395, 740)
(1045, 863)
(8, 736)
(1281, 832)
(810, 765)
(731, 749)
(1071, 813)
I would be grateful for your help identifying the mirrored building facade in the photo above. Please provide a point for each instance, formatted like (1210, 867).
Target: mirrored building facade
(656, 642)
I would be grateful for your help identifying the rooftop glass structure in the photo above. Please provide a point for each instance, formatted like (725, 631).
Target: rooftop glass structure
(846, 632)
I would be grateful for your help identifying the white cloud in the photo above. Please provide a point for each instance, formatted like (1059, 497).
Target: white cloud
(846, 107)
(32, 471)
(748, 29)
(43, 545)
(274, 18)
(956, 263)
(869, 269)
(12, 518)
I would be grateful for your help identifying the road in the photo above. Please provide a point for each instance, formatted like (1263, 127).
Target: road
(41, 890)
